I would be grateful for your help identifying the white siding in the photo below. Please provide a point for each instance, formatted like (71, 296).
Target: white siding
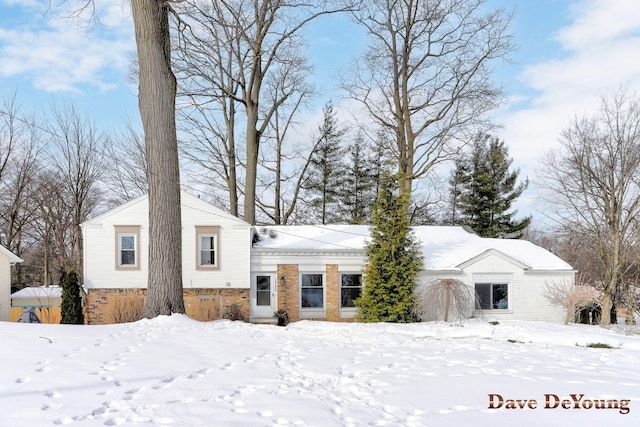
(5, 287)
(267, 260)
(526, 300)
(100, 247)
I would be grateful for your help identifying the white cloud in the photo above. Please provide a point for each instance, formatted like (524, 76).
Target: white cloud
(599, 50)
(61, 55)
(600, 22)
(599, 46)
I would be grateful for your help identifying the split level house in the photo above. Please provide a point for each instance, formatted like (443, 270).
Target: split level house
(313, 272)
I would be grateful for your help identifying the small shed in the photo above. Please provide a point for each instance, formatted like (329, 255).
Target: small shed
(7, 259)
(44, 301)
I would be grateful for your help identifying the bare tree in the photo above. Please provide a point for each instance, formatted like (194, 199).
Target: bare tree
(426, 75)
(442, 298)
(156, 100)
(207, 72)
(54, 228)
(77, 159)
(284, 169)
(20, 153)
(572, 298)
(595, 181)
(127, 176)
(264, 40)
(9, 125)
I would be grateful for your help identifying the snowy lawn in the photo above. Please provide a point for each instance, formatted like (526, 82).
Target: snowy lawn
(178, 372)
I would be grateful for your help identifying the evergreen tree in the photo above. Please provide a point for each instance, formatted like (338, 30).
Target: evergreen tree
(483, 190)
(326, 169)
(71, 307)
(359, 187)
(393, 260)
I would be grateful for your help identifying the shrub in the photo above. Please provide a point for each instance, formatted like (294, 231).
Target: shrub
(127, 309)
(599, 345)
(234, 312)
(205, 309)
(71, 306)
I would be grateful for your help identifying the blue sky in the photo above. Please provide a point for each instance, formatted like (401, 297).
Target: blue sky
(569, 53)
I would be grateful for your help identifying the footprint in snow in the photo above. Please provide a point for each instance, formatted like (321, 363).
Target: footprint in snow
(44, 367)
(165, 382)
(199, 373)
(23, 380)
(48, 406)
(52, 394)
(239, 409)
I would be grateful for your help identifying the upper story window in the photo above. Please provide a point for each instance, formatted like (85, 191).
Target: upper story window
(127, 247)
(207, 252)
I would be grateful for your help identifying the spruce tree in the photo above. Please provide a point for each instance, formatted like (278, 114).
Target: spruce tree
(71, 306)
(326, 170)
(393, 260)
(485, 189)
(359, 186)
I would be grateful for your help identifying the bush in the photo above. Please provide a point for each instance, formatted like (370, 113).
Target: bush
(71, 306)
(127, 309)
(599, 345)
(205, 309)
(234, 312)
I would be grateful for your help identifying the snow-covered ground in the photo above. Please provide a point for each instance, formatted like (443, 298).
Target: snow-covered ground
(178, 372)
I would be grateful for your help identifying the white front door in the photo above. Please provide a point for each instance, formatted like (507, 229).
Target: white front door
(263, 295)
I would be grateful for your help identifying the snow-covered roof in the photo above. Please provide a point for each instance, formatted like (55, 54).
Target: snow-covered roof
(189, 203)
(443, 247)
(13, 258)
(38, 292)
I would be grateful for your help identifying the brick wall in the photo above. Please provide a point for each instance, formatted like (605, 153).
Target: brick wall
(289, 293)
(200, 304)
(332, 293)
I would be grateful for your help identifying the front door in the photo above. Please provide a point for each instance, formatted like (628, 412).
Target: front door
(263, 295)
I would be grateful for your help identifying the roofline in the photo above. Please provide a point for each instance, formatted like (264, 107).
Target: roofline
(497, 252)
(547, 270)
(13, 258)
(98, 219)
(303, 252)
(183, 196)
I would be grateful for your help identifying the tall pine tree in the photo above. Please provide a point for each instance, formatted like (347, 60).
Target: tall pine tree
(326, 170)
(393, 260)
(483, 190)
(359, 186)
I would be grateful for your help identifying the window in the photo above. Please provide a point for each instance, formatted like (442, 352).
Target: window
(350, 289)
(207, 248)
(127, 252)
(311, 291)
(493, 296)
(263, 290)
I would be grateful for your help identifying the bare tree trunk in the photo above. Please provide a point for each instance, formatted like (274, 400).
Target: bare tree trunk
(253, 145)
(157, 94)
